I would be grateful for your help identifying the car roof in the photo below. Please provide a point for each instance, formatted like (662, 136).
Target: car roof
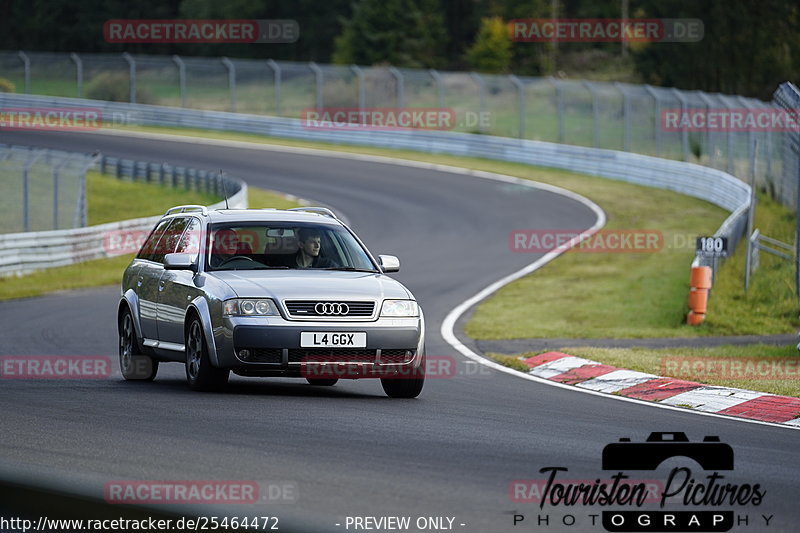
(216, 216)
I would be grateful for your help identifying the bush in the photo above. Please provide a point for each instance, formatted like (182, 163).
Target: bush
(115, 87)
(491, 51)
(6, 86)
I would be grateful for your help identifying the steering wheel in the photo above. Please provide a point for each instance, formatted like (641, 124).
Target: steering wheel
(228, 260)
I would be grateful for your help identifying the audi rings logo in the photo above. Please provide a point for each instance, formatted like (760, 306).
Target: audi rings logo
(327, 308)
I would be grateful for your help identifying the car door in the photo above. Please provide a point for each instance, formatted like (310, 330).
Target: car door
(177, 288)
(147, 281)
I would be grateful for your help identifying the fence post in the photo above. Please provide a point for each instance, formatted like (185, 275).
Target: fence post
(181, 77)
(768, 142)
(276, 77)
(559, 106)
(437, 79)
(132, 73)
(319, 76)
(751, 213)
(26, 190)
(78, 74)
(751, 135)
(362, 95)
(56, 172)
(520, 103)
(481, 98)
(731, 166)
(656, 118)
(231, 81)
(626, 118)
(26, 63)
(709, 104)
(595, 115)
(684, 131)
(401, 90)
(82, 199)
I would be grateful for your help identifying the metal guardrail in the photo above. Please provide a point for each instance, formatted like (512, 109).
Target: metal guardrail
(712, 185)
(25, 252)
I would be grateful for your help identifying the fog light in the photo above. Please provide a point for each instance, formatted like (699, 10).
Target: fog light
(244, 354)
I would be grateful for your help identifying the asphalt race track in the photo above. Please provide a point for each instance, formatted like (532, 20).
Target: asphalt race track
(349, 450)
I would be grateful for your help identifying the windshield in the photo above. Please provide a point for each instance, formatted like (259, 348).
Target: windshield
(250, 246)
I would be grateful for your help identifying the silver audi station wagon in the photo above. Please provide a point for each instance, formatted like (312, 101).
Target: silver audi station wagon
(267, 292)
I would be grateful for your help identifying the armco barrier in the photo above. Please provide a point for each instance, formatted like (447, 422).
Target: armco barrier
(712, 185)
(25, 252)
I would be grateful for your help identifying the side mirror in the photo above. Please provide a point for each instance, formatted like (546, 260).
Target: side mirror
(180, 262)
(389, 263)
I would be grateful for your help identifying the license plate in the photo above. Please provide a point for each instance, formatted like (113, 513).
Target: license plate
(328, 339)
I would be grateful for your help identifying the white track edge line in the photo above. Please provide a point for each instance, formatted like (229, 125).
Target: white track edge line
(448, 324)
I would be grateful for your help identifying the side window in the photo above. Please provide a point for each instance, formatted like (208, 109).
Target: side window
(190, 242)
(169, 239)
(149, 246)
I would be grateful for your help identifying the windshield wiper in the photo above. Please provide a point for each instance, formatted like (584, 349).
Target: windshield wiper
(351, 269)
(264, 267)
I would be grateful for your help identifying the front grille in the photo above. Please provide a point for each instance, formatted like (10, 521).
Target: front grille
(261, 355)
(331, 355)
(396, 356)
(306, 308)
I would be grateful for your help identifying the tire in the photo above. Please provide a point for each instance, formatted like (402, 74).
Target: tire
(200, 373)
(405, 386)
(322, 382)
(133, 364)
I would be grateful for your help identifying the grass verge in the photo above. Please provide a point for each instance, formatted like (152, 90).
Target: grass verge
(104, 193)
(672, 362)
(614, 294)
(141, 199)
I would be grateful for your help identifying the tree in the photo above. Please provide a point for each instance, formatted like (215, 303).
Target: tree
(491, 51)
(748, 48)
(405, 33)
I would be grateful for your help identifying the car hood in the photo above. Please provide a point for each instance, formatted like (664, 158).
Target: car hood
(312, 284)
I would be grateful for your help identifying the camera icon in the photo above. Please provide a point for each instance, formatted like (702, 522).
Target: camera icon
(711, 454)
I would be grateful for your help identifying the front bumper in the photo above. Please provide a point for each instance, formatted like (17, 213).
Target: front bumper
(270, 346)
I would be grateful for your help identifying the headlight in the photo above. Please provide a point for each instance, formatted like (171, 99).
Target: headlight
(249, 307)
(400, 308)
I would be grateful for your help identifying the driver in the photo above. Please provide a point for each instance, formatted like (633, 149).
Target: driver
(225, 245)
(308, 256)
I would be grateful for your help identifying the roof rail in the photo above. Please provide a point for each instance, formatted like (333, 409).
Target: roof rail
(318, 210)
(186, 208)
